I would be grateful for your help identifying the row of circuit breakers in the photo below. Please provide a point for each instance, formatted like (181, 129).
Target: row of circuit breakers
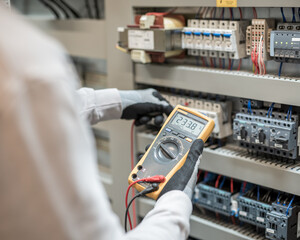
(267, 129)
(153, 38)
(274, 214)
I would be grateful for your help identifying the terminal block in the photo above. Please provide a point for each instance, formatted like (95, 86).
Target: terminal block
(252, 211)
(219, 111)
(215, 36)
(259, 28)
(285, 43)
(272, 135)
(152, 38)
(283, 222)
(215, 199)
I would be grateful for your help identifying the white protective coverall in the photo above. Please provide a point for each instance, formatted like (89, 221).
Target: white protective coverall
(49, 182)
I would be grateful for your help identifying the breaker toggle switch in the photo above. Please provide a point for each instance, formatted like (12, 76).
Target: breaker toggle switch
(243, 133)
(261, 136)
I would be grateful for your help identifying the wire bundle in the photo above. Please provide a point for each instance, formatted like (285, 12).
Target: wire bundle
(60, 5)
(257, 57)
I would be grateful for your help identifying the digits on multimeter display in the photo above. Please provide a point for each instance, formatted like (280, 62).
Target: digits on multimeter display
(187, 124)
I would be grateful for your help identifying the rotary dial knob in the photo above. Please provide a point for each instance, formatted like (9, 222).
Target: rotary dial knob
(168, 149)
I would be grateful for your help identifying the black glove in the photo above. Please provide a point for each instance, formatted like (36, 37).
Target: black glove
(143, 105)
(186, 177)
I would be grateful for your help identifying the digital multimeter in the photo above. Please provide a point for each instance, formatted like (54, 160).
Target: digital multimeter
(169, 150)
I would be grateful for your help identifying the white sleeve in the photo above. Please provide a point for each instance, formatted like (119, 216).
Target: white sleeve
(168, 220)
(100, 105)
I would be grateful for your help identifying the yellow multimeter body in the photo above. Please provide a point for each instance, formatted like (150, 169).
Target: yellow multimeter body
(169, 150)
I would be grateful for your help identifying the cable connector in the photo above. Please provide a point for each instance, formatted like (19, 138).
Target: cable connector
(150, 189)
(156, 178)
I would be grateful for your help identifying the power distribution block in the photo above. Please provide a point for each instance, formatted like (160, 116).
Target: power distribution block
(152, 37)
(283, 222)
(252, 211)
(219, 111)
(257, 36)
(215, 199)
(272, 135)
(285, 43)
(215, 36)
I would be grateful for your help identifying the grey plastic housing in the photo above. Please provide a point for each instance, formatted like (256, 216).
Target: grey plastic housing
(280, 135)
(252, 211)
(285, 43)
(280, 225)
(213, 199)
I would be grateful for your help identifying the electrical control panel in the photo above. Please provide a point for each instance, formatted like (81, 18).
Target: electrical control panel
(283, 222)
(285, 43)
(254, 133)
(256, 39)
(214, 38)
(214, 199)
(276, 136)
(219, 111)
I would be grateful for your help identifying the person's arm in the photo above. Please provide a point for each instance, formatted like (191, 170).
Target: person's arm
(107, 104)
(100, 105)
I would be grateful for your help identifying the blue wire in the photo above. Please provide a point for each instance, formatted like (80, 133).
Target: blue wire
(280, 68)
(289, 113)
(258, 194)
(232, 62)
(294, 17)
(270, 110)
(222, 183)
(282, 13)
(287, 210)
(249, 106)
(278, 198)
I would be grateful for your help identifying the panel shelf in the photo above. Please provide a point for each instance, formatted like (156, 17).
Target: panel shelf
(207, 228)
(223, 82)
(237, 163)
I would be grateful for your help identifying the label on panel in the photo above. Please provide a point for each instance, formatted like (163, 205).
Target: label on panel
(138, 39)
(226, 3)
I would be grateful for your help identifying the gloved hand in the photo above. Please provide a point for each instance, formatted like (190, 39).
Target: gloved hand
(142, 105)
(186, 177)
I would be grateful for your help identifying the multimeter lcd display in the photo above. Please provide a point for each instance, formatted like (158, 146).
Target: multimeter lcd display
(187, 124)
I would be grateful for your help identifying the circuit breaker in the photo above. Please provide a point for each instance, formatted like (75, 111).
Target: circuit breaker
(214, 37)
(215, 199)
(265, 134)
(283, 222)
